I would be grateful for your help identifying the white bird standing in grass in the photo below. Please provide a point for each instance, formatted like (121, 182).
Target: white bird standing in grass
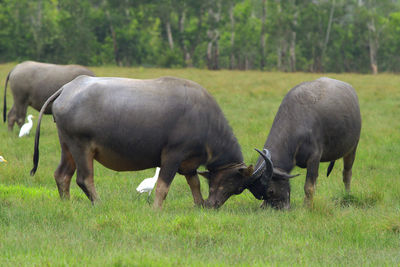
(2, 159)
(26, 128)
(148, 184)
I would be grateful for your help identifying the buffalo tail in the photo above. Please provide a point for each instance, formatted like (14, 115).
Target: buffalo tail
(330, 167)
(5, 98)
(37, 135)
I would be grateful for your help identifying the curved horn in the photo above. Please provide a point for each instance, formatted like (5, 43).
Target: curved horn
(280, 174)
(259, 171)
(258, 182)
(269, 167)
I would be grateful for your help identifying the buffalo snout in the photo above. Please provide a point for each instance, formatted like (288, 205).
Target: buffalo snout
(216, 198)
(279, 201)
(212, 204)
(279, 205)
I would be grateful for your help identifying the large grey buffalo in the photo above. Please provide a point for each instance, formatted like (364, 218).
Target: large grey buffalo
(317, 121)
(128, 124)
(32, 83)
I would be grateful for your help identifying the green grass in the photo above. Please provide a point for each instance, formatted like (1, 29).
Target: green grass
(363, 228)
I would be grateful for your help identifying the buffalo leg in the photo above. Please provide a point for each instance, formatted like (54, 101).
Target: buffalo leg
(64, 172)
(21, 114)
(12, 118)
(311, 178)
(17, 114)
(194, 183)
(348, 161)
(167, 173)
(84, 170)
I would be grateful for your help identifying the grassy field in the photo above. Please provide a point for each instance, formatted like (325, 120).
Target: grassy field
(37, 228)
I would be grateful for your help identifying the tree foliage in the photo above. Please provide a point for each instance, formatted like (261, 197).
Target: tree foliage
(286, 35)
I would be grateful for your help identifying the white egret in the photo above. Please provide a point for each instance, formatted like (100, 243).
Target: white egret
(26, 128)
(148, 184)
(2, 159)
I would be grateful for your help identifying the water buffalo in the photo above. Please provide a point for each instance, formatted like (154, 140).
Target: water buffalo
(129, 125)
(32, 83)
(317, 121)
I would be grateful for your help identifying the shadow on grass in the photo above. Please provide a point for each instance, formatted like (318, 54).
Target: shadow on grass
(365, 201)
(394, 227)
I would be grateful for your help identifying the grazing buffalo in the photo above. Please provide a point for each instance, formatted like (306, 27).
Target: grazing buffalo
(129, 125)
(32, 83)
(317, 121)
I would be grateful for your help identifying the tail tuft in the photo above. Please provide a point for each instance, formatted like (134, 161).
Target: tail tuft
(33, 171)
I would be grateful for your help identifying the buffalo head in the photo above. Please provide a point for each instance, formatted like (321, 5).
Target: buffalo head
(271, 184)
(225, 182)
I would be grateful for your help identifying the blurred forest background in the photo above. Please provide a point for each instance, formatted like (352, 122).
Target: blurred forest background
(285, 35)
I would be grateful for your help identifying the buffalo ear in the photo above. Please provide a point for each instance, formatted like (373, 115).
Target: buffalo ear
(205, 174)
(246, 171)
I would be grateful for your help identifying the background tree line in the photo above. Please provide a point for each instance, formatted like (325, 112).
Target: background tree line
(286, 35)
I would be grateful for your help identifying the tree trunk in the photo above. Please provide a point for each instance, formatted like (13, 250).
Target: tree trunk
(292, 52)
(195, 43)
(232, 18)
(373, 46)
(373, 41)
(182, 18)
(213, 53)
(292, 47)
(188, 59)
(213, 35)
(284, 56)
(209, 55)
(281, 41)
(216, 54)
(328, 30)
(169, 34)
(114, 39)
(186, 54)
(36, 21)
(279, 57)
(262, 37)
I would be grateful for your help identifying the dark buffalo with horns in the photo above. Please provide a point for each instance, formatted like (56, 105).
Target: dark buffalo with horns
(317, 121)
(32, 83)
(129, 125)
